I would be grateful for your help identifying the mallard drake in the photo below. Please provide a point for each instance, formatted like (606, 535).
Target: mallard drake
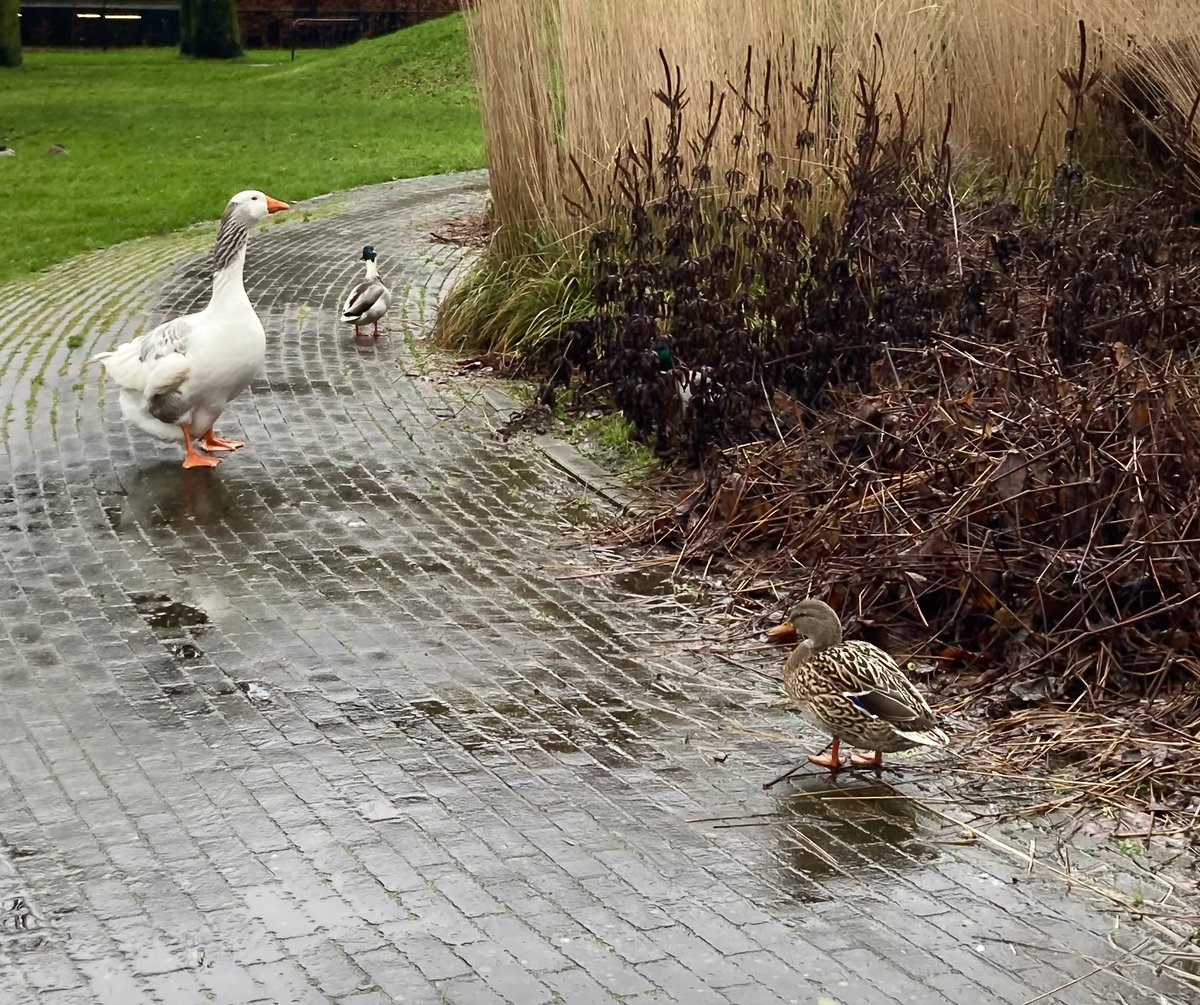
(182, 374)
(369, 300)
(687, 382)
(853, 691)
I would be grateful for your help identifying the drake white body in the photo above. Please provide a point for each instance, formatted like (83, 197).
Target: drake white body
(369, 300)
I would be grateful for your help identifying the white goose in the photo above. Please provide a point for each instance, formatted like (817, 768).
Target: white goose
(369, 300)
(181, 375)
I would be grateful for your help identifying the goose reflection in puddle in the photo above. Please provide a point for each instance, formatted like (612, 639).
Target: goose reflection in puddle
(165, 495)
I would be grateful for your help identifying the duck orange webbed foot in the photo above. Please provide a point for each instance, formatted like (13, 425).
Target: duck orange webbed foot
(874, 760)
(212, 441)
(832, 760)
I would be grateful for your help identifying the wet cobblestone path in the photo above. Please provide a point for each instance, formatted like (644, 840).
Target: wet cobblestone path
(325, 726)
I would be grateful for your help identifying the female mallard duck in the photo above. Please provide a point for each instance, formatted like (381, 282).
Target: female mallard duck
(177, 379)
(853, 691)
(369, 300)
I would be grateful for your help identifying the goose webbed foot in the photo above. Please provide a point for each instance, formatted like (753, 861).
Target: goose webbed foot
(192, 459)
(212, 441)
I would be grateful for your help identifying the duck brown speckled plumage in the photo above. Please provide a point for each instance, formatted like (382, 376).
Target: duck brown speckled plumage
(853, 691)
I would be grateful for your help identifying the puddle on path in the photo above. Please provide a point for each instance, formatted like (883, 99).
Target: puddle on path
(644, 583)
(589, 720)
(164, 495)
(163, 614)
(821, 835)
(17, 918)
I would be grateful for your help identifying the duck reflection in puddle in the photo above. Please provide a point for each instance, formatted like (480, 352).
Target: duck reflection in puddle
(824, 830)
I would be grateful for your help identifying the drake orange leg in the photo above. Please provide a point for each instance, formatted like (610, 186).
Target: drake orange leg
(211, 441)
(831, 760)
(867, 761)
(192, 459)
(375, 333)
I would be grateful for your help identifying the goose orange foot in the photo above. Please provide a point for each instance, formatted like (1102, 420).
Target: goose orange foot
(212, 441)
(191, 459)
(831, 760)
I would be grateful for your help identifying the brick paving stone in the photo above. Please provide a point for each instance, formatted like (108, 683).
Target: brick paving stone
(396, 974)
(328, 725)
(433, 958)
(753, 994)
(627, 941)
(469, 991)
(329, 967)
(681, 984)
(108, 982)
(577, 987)
(534, 953)
(179, 988)
(504, 974)
(227, 981)
(68, 997)
(603, 965)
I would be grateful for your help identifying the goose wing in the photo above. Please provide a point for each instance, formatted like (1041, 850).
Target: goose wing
(142, 364)
(172, 336)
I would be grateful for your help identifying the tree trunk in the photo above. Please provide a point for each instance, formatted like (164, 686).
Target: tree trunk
(187, 19)
(213, 30)
(10, 33)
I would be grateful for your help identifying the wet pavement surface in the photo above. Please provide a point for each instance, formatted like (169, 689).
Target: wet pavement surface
(331, 725)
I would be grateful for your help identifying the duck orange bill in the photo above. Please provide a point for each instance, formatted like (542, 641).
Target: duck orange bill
(275, 206)
(785, 632)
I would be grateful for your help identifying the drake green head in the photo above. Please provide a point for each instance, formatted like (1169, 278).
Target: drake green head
(665, 360)
(368, 254)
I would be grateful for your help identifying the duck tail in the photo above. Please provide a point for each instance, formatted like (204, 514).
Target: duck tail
(934, 737)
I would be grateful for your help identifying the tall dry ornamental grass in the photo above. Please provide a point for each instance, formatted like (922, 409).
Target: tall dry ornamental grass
(565, 82)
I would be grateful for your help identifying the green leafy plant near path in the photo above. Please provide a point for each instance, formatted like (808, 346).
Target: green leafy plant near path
(156, 141)
(515, 304)
(612, 441)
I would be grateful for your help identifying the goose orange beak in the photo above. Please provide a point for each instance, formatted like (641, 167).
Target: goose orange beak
(785, 632)
(275, 206)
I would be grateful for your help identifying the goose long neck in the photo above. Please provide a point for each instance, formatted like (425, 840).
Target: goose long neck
(229, 258)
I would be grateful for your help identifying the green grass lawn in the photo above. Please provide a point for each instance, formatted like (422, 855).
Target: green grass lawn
(157, 142)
